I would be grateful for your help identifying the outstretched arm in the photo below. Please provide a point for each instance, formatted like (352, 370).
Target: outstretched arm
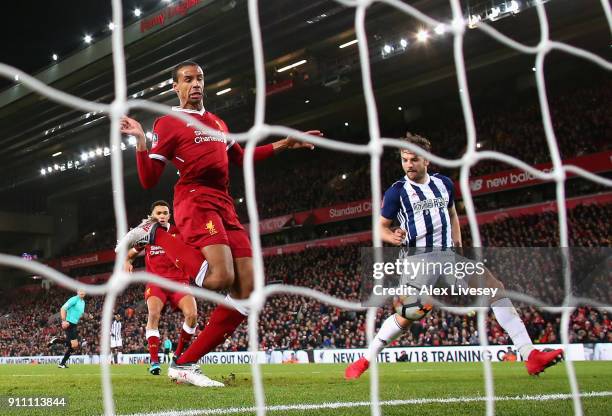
(149, 170)
(290, 143)
(236, 152)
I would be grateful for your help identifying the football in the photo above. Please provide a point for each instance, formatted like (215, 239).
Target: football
(413, 307)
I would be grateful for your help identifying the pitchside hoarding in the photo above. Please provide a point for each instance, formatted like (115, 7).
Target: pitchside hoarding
(463, 354)
(471, 353)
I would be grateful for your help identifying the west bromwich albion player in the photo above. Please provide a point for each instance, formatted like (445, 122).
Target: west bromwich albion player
(424, 206)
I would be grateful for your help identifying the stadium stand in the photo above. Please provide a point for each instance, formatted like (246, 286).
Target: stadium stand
(303, 188)
(295, 322)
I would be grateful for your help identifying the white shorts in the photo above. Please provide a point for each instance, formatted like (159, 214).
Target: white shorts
(116, 343)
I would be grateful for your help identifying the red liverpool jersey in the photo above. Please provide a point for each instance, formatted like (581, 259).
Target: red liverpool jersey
(200, 158)
(158, 263)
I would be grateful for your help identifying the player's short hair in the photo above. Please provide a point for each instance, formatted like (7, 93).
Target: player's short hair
(417, 140)
(161, 202)
(179, 66)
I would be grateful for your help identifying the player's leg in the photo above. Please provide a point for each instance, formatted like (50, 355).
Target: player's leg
(211, 267)
(116, 354)
(221, 324)
(188, 258)
(56, 340)
(220, 273)
(156, 298)
(509, 319)
(205, 228)
(71, 344)
(187, 304)
(223, 321)
(506, 314)
(185, 256)
(388, 332)
(395, 324)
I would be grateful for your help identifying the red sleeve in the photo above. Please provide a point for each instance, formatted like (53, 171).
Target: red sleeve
(151, 163)
(236, 154)
(149, 170)
(163, 143)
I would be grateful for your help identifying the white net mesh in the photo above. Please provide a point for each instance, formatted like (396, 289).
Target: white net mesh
(260, 131)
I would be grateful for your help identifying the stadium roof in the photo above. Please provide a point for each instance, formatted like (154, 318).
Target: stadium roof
(321, 93)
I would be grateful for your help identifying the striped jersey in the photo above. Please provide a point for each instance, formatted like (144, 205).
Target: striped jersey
(116, 330)
(422, 210)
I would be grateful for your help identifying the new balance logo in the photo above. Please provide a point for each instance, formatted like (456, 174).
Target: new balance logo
(476, 185)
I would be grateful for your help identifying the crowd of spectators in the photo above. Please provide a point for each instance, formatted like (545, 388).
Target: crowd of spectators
(289, 184)
(28, 320)
(582, 125)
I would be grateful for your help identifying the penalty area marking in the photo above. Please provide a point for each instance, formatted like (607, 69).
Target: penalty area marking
(339, 405)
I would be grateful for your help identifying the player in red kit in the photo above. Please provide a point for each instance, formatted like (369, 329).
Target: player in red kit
(203, 209)
(156, 297)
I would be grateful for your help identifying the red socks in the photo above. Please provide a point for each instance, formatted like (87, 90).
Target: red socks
(153, 341)
(185, 257)
(222, 324)
(184, 338)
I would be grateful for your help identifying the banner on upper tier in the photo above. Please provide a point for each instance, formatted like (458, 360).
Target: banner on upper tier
(576, 352)
(518, 178)
(107, 256)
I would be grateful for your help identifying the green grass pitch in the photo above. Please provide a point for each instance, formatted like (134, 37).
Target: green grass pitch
(135, 391)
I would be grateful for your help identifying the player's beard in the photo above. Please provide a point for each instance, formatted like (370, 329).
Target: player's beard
(415, 175)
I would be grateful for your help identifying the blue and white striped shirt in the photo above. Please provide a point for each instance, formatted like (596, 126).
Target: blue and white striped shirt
(422, 210)
(116, 330)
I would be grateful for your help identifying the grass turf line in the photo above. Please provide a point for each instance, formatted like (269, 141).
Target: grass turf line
(136, 391)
